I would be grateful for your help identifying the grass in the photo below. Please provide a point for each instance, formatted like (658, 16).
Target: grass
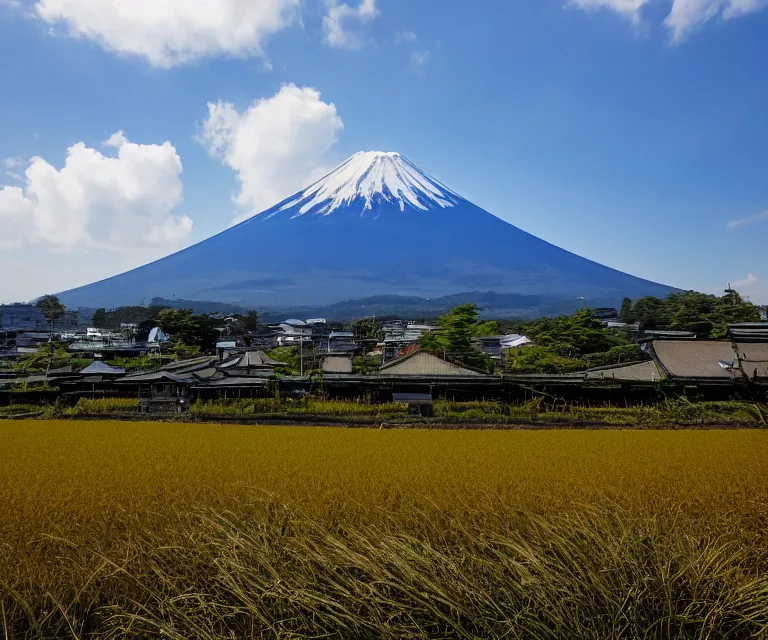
(104, 406)
(19, 409)
(201, 531)
(676, 412)
(309, 406)
(672, 413)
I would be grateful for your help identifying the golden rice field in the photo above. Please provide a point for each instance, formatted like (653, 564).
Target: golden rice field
(120, 529)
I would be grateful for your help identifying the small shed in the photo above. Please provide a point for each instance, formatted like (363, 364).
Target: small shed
(419, 404)
(161, 391)
(225, 347)
(98, 371)
(102, 369)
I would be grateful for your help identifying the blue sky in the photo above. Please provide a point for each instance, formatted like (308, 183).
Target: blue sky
(632, 132)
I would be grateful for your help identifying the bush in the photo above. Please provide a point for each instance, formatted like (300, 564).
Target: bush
(617, 355)
(104, 406)
(542, 359)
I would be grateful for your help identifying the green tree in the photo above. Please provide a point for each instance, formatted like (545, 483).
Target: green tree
(704, 314)
(541, 359)
(52, 308)
(368, 329)
(99, 319)
(735, 309)
(578, 334)
(73, 317)
(625, 313)
(488, 328)
(184, 327)
(651, 313)
(50, 355)
(182, 351)
(617, 355)
(454, 337)
(246, 321)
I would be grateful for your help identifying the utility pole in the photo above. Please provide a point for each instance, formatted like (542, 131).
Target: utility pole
(301, 351)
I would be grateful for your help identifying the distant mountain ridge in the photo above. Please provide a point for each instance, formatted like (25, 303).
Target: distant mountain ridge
(375, 226)
(493, 305)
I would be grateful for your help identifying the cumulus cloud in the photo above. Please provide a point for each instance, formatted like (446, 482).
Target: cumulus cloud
(117, 203)
(405, 37)
(276, 146)
(172, 32)
(340, 15)
(688, 15)
(628, 8)
(743, 222)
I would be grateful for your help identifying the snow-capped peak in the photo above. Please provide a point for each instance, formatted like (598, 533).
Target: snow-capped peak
(373, 176)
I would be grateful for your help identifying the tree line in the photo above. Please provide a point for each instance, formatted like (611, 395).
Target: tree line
(562, 344)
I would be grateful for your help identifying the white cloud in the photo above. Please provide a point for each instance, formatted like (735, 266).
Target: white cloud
(14, 176)
(685, 15)
(119, 203)
(749, 281)
(688, 15)
(172, 32)
(13, 163)
(276, 146)
(418, 60)
(15, 217)
(753, 288)
(743, 222)
(405, 37)
(630, 9)
(336, 35)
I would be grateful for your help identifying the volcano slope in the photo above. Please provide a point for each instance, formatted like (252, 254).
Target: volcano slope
(376, 225)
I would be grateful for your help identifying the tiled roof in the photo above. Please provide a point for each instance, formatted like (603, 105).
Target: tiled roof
(638, 371)
(101, 368)
(187, 365)
(237, 381)
(754, 358)
(250, 359)
(694, 358)
(421, 363)
(154, 376)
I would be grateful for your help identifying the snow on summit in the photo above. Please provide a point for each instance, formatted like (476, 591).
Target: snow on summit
(374, 176)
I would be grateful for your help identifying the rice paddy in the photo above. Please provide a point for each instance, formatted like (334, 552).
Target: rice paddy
(132, 529)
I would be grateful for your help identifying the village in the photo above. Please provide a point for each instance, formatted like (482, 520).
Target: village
(369, 361)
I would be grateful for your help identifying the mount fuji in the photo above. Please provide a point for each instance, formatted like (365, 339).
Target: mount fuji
(377, 225)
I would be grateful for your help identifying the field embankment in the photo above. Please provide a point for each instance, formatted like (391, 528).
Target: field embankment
(672, 413)
(142, 529)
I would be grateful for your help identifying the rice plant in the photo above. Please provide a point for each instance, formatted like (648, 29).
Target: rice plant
(143, 530)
